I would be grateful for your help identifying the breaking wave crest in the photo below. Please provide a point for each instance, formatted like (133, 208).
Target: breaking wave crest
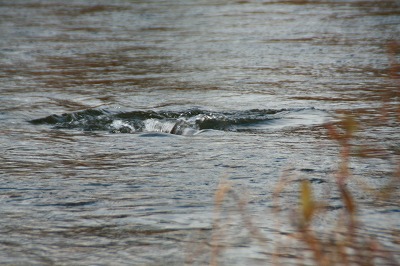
(181, 123)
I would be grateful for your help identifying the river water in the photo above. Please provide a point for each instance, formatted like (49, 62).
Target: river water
(119, 119)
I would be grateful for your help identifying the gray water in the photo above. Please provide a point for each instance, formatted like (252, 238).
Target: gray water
(119, 119)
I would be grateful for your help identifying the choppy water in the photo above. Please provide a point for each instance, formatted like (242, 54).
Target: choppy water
(91, 91)
(188, 122)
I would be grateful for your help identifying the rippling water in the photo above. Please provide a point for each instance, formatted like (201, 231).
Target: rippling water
(187, 122)
(120, 118)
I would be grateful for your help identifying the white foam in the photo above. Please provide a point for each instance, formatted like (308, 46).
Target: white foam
(121, 126)
(154, 125)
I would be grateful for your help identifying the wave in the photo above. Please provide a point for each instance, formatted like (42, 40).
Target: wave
(181, 123)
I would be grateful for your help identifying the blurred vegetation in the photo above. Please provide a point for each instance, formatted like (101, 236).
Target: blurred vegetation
(344, 243)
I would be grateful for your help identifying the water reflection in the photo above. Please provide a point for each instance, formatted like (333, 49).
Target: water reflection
(70, 194)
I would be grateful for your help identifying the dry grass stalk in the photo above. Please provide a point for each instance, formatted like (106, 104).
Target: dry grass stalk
(345, 244)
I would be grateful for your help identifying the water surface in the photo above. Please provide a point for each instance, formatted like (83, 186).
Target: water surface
(91, 92)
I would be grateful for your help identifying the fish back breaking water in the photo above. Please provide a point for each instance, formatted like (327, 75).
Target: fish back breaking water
(183, 123)
(238, 78)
